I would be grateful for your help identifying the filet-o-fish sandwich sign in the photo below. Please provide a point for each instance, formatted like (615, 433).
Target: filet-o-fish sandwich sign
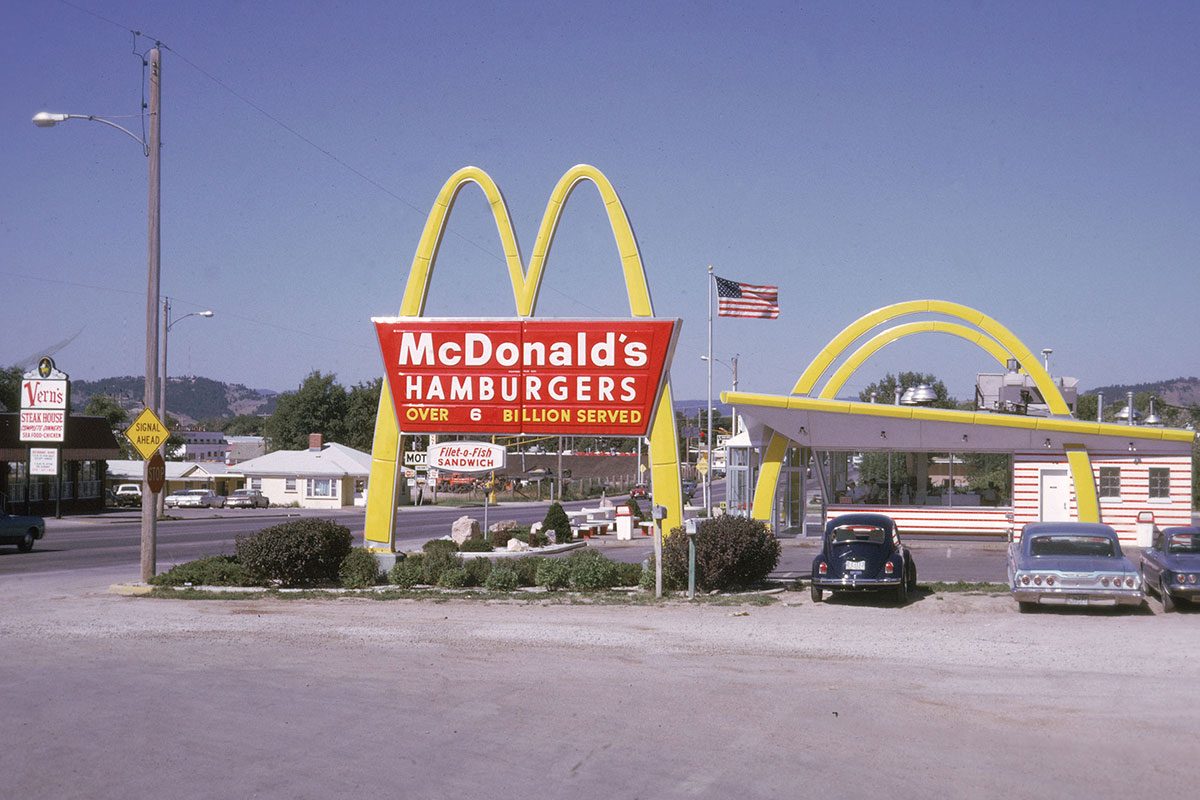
(592, 377)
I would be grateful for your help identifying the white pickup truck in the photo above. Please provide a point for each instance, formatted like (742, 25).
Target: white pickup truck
(129, 494)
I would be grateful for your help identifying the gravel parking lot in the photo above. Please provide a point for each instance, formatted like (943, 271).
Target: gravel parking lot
(953, 695)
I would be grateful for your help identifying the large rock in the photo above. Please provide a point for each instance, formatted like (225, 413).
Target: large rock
(536, 528)
(464, 528)
(517, 546)
(504, 525)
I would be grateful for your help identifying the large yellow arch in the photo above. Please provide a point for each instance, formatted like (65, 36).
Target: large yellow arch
(526, 284)
(992, 337)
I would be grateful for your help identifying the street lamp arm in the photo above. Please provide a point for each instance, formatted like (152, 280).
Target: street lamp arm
(46, 119)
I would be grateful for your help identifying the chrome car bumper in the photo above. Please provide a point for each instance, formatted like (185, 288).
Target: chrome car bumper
(1078, 597)
(855, 582)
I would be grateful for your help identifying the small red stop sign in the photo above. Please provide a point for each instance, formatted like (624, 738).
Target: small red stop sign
(156, 472)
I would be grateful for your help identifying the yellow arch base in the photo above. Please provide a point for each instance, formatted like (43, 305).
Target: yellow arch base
(526, 283)
(995, 339)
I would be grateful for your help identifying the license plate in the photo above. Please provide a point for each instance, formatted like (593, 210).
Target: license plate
(856, 565)
(1077, 601)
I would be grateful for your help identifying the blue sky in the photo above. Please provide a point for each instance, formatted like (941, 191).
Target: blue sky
(1035, 161)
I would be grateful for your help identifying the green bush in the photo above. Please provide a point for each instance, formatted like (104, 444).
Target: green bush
(731, 553)
(591, 571)
(475, 545)
(557, 521)
(538, 539)
(478, 570)
(407, 572)
(502, 579)
(500, 538)
(526, 568)
(629, 574)
(554, 573)
(440, 555)
(635, 510)
(439, 546)
(303, 552)
(647, 579)
(360, 570)
(211, 571)
(454, 578)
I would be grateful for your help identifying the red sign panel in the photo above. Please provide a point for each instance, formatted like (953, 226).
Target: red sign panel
(598, 377)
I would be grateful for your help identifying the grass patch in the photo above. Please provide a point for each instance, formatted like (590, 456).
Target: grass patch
(966, 587)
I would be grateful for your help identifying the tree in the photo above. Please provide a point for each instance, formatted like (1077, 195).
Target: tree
(319, 406)
(244, 425)
(102, 405)
(362, 405)
(885, 388)
(10, 388)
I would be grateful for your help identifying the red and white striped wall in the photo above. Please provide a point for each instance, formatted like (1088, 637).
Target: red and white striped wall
(1119, 512)
(985, 522)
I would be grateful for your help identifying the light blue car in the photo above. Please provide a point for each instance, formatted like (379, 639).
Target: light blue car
(20, 530)
(1071, 564)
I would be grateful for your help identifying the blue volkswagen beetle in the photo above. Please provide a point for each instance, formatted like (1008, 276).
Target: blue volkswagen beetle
(863, 552)
(1171, 565)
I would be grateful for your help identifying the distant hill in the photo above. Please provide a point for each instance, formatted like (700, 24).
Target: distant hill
(1176, 391)
(189, 398)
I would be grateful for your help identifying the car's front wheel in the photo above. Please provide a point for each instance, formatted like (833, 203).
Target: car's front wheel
(26, 543)
(1168, 602)
(816, 592)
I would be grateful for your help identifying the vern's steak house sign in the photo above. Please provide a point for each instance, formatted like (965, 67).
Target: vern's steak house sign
(517, 376)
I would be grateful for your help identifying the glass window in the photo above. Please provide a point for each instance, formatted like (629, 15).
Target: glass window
(289, 484)
(858, 533)
(322, 487)
(1110, 481)
(1184, 543)
(256, 484)
(1095, 546)
(1160, 482)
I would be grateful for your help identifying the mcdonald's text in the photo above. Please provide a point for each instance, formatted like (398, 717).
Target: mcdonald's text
(600, 377)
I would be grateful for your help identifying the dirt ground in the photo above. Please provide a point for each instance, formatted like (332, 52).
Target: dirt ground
(954, 695)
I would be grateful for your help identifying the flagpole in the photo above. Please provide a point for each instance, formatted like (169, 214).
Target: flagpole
(708, 410)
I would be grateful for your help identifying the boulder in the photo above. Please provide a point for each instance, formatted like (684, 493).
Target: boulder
(536, 528)
(517, 546)
(504, 525)
(464, 528)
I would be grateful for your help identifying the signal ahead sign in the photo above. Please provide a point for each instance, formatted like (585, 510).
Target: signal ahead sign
(147, 433)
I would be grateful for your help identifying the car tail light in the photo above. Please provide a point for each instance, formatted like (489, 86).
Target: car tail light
(1037, 580)
(1129, 582)
(1191, 578)
(1104, 581)
(889, 568)
(1025, 580)
(1049, 580)
(823, 568)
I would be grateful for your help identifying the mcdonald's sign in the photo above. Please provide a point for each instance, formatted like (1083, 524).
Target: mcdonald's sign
(576, 377)
(651, 387)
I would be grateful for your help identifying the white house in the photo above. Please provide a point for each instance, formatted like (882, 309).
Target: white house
(323, 476)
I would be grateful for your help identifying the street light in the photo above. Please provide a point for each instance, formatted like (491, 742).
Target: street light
(152, 149)
(162, 367)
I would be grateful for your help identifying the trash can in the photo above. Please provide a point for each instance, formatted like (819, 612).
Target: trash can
(1145, 528)
(624, 523)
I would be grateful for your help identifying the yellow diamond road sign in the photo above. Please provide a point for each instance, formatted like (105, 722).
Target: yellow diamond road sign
(147, 433)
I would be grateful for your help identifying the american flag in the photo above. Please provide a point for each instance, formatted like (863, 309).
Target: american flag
(736, 299)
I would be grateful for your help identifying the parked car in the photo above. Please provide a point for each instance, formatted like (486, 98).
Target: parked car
(22, 531)
(199, 498)
(129, 494)
(247, 498)
(1171, 565)
(641, 490)
(172, 500)
(1071, 564)
(863, 552)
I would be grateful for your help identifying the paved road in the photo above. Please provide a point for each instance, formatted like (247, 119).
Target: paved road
(951, 696)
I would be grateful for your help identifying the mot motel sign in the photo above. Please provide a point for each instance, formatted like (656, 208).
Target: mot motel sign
(44, 403)
(467, 456)
(518, 376)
